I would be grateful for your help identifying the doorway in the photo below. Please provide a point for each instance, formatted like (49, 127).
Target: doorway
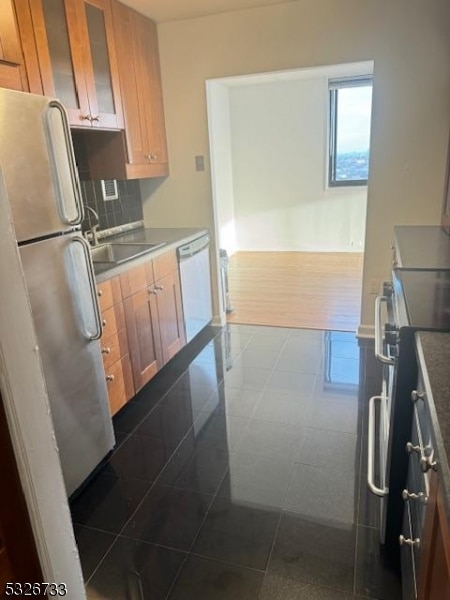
(294, 240)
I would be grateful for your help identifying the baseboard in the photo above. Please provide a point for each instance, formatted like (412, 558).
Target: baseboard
(366, 332)
(219, 320)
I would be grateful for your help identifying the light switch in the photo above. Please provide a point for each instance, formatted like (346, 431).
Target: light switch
(200, 163)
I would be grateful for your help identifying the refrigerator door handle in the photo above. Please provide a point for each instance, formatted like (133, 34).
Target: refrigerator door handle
(91, 278)
(65, 174)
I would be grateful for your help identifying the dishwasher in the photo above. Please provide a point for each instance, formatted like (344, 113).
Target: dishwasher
(195, 277)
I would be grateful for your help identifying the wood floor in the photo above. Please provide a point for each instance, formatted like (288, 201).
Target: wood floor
(296, 289)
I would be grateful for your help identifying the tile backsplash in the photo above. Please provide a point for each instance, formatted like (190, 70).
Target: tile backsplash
(126, 209)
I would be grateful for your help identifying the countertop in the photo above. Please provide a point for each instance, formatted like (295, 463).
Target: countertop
(421, 247)
(173, 238)
(433, 349)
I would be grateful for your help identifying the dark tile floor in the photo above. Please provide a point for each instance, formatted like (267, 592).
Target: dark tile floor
(239, 473)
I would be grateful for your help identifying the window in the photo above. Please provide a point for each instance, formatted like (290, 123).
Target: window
(350, 111)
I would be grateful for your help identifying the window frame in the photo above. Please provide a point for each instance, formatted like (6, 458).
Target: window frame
(334, 85)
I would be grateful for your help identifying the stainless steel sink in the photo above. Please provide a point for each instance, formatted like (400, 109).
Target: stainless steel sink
(119, 253)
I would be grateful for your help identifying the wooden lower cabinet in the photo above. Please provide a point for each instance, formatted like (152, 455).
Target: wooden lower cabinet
(143, 337)
(434, 573)
(143, 325)
(170, 315)
(114, 345)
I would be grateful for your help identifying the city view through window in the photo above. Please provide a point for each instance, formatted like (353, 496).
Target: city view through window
(350, 154)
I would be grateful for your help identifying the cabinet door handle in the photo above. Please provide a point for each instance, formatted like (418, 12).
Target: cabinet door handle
(152, 292)
(106, 350)
(426, 464)
(420, 497)
(415, 543)
(110, 378)
(96, 118)
(416, 396)
(159, 288)
(410, 448)
(63, 167)
(92, 289)
(85, 117)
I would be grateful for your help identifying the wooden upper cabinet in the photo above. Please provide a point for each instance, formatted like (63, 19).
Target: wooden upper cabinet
(12, 70)
(77, 58)
(140, 81)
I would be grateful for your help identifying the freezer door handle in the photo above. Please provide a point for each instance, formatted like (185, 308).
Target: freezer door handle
(64, 171)
(92, 288)
(378, 491)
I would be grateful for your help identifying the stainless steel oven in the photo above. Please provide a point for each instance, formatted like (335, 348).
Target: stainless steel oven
(380, 406)
(415, 299)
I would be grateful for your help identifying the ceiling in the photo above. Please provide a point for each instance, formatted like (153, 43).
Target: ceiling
(174, 10)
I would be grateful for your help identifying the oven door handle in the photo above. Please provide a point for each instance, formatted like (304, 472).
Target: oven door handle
(384, 358)
(371, 438)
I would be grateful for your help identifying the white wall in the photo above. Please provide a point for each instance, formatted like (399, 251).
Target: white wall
(279, 150)
(409, 41)
(221, 165)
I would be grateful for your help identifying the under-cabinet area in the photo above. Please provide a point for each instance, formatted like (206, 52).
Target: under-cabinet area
(100, 58)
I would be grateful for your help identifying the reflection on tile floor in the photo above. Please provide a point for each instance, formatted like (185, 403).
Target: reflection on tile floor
(239, 474)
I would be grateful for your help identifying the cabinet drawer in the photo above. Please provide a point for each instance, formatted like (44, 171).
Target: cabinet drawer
(110, 350)
(164, 264)
(114, 347)
(109, 322)
(118, 381)
(108, 293)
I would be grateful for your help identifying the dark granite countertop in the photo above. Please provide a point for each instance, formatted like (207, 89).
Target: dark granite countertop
(173, 238)
(421, 247)
(433, 349)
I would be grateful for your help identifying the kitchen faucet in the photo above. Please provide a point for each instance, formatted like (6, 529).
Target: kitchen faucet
(94, 228)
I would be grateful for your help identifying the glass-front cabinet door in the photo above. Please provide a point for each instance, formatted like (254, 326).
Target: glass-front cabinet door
(101, 63)
(78, 61)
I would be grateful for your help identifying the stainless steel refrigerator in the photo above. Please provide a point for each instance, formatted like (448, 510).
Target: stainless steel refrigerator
(40, 182)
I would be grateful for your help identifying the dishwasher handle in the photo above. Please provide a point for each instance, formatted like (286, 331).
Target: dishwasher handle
(193, 248)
